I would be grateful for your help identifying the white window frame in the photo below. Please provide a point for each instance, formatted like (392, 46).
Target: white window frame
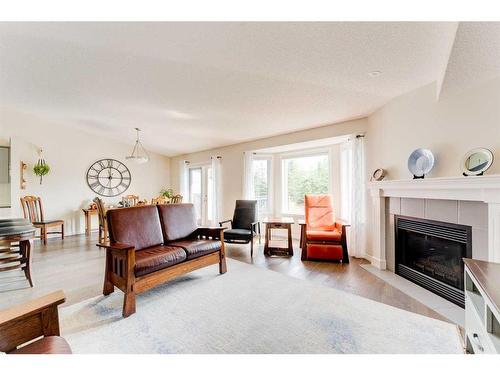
(270, 181)
(284, 178)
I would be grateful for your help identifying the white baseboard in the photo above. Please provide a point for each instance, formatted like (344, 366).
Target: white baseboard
(381, 264)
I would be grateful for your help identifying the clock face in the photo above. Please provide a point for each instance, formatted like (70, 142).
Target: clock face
(108, 177)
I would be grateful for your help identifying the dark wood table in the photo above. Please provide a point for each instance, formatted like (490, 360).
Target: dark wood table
(272, 247)
(15, 245)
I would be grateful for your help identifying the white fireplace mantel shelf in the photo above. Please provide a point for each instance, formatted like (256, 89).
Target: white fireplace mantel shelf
(472, 188)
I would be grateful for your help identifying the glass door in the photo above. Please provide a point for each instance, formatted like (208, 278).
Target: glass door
(201, 193)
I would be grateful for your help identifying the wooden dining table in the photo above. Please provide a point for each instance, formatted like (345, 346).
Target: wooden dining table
(15, 245)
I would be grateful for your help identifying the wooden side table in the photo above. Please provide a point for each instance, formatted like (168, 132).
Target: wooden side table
(15, 245)
(272, 247)
(88, 212)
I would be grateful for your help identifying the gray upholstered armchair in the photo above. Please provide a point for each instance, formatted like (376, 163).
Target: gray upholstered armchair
(244, 225)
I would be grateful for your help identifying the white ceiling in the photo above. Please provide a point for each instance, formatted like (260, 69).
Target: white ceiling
(475, 56)
(195, 86)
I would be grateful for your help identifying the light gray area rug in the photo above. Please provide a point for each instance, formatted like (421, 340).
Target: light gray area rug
(250, 310)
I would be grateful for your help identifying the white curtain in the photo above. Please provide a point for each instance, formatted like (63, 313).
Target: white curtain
(248, 188)
(216, 190)
(358, 223)
(184, 179)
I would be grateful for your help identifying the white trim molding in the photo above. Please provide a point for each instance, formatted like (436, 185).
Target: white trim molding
(472, 188)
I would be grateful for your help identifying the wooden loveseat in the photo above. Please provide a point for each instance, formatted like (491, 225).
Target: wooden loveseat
(152, 244)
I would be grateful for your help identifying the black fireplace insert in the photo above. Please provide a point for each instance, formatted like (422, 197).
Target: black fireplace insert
(430, 253)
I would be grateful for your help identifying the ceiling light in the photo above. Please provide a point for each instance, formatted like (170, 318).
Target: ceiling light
(139, 153)
(375, 73)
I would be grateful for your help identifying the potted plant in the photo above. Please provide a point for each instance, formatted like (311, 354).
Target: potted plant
(167, 193)
(41, 169)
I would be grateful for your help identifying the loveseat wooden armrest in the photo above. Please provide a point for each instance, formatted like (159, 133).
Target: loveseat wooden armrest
(115, 246)
(28, 321)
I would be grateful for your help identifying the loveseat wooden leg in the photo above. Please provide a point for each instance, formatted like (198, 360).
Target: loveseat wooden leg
(108, 286)
(129, 304)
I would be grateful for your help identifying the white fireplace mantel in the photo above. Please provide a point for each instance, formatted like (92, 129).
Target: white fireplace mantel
(473, 188)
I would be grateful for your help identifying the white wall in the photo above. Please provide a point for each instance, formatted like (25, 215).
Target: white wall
(69, 153)
(449, 127)
(232, 157)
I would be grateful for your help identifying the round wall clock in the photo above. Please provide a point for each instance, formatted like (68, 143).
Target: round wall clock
(108, 177)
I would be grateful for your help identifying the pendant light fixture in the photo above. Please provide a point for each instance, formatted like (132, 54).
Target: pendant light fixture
(139, 153)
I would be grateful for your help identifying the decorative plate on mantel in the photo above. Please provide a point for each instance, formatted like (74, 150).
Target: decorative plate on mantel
(420, 162)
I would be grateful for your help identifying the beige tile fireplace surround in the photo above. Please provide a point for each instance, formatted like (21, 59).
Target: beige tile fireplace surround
(473, 201)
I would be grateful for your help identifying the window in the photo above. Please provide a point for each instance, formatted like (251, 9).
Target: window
(261, 173)
(345, 181)
(195, 188)
(305, 174)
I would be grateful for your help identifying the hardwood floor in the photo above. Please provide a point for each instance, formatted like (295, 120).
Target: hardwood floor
(76, 265)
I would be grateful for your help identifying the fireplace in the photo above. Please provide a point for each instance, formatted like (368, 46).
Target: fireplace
(430, 253)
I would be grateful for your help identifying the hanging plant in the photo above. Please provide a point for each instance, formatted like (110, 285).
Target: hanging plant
(41, 168)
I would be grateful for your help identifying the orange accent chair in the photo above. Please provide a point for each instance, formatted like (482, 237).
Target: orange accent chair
(322, 237)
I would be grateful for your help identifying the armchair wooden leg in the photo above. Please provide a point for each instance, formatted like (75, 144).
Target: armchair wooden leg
(251, 246)
(62, 231)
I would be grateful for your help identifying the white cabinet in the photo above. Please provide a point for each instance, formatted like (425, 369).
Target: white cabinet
(482, 316)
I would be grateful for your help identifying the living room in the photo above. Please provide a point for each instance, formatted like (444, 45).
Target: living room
(250, 187)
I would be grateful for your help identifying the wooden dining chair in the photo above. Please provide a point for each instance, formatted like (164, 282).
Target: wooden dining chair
(130, 200)
(103, 222)
(33, 211)
(176, 199)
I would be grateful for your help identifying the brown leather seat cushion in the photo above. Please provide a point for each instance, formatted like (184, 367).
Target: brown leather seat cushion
(196, 248)
(156, 258)
(138, 226)
(324, 235)
(177, 220)
(46, 345)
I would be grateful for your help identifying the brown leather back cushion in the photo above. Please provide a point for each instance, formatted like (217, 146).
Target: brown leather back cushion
(138, 226)
(177, 220)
